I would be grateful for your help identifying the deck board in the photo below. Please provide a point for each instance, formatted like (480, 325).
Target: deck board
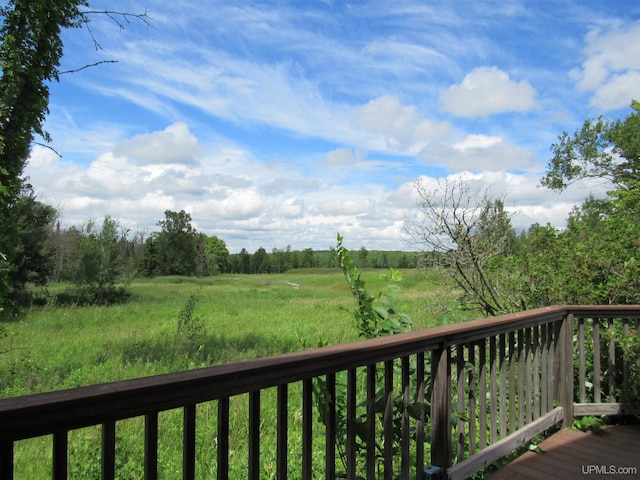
(572, 454)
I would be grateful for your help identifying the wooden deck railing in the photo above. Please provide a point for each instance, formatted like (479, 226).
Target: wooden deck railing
(492, 384)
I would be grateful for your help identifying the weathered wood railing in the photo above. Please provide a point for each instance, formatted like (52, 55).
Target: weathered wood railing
(493, 384)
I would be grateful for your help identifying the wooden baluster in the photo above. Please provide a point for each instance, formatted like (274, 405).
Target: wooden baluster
(6, 460)
(282, 440)
(351, 418)
(597, 387)
(254, 435)
(109, 450)
(472, 398)
(482, 393)
(528, 384)
(493, 429)
(151, 446)
(420, 379)
(189, 442)
(550, 366)
(307, 429)
(460, 387)
(223, 439)
(371, 422)
(388, 420)
(521, 378)
(626, 365)
(404, 446)
(544, 352)
(536, 373)
(612, 362)
(60, 455)
(330, 432)
(582, 375)
(512, 382)
(503, 385)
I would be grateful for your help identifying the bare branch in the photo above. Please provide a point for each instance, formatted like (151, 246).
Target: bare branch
(120, 18)
(49, 147)
(87, 66)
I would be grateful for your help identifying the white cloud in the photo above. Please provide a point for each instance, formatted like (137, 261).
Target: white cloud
(477, 141)
(175, 144)
(349, 207)
(398, 127)
(343, 157)
(486, 91)
(479, 153)
(612, 67)
(617, 92)
(291, 208)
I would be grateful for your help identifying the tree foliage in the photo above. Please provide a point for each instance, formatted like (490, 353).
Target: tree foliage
(27, 244)
(600, 246)
(601, 149)
(30, 53)
(176, 244)
(99, 266)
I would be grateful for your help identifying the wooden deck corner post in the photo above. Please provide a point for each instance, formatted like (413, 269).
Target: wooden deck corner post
(441, 407)
(564, 369)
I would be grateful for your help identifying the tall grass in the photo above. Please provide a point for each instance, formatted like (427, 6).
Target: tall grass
(244, 316)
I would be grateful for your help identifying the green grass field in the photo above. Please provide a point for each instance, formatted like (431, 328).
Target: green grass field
(244, 316)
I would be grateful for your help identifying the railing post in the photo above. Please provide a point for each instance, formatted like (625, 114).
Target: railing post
(441, 408)
(564, 369)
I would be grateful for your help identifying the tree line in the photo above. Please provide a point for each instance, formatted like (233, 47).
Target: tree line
(100, 258)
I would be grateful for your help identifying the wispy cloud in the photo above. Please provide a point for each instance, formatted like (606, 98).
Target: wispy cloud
(282, 123)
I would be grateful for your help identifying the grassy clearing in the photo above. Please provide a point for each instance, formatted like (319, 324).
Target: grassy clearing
(245, 316)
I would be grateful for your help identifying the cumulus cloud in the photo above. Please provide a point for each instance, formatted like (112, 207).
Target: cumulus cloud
(617, 92)
(612, 67)
(479, 153)
(486, 91)
(343, 157)
(291, 208)
(400, 127)
(351, 207)
(175, 144)
(284, 184)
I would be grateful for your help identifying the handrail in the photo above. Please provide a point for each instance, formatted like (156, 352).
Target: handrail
(61, 411)
(44, 413)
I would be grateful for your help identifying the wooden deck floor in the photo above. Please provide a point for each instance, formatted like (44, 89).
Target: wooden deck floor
(568, 454)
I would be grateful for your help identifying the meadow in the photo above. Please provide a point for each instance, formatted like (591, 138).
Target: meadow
(242, 317)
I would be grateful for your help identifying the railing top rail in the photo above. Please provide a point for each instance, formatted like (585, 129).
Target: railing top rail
(40, 414)
(603, 311)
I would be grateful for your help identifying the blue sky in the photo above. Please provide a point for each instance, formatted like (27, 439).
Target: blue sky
(280, 123)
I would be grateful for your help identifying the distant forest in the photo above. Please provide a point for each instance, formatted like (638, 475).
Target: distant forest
(281, 260)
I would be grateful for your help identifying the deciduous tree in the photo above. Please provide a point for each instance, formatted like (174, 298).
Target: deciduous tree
(471, 231)
(601, 149)
(176, 244)
(30, 53)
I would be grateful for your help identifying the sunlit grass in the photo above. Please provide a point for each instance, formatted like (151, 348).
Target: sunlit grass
(245, 316)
